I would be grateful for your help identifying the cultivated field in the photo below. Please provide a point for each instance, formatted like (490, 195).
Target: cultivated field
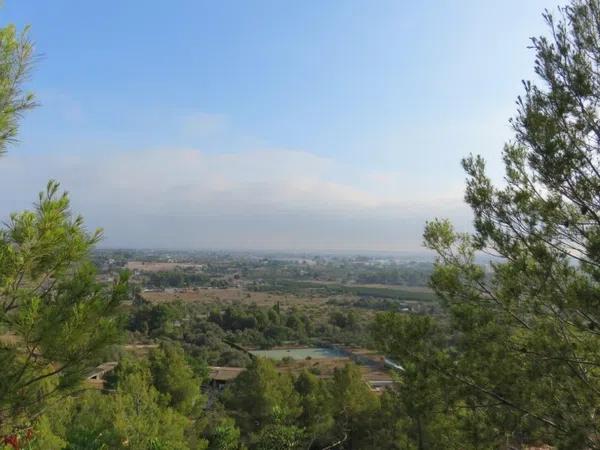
(148, 266)
(231, 296)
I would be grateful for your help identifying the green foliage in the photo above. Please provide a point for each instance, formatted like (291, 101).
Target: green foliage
(132, 416)
(180, 279)
(89, 424)
(344, 320)
(55, 317)
(16, 53)
(174, 378)
(139, 418)
(513, 360)
(278, 436)
(261, 396)
(317, 408)
(293, 286)
(411, 274)
(525, 339)
(262, 327)
(424, 408)
(353, 404)
(153, 320)
(224, 436)
(45, 437)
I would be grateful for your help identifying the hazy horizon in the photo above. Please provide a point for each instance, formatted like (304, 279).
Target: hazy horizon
(420, 253)
(298, 127)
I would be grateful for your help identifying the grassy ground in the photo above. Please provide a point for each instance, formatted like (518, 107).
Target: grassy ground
(231, 296)
(421, 294)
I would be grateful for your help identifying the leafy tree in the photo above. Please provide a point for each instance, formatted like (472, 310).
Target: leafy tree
(278, 436)
(90, 423)
(260, 396)
(317, 408)
(525, 338)
(423, 410)
(353, 403)
(155, 320)
(44, 436)
(55, 317)
(224, 436)
(174, 378)
(140, 419)
(348, 320)
(131, 417)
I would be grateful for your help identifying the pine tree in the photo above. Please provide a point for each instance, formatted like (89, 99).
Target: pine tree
(16, 57)
(526, 339)
(55, 318)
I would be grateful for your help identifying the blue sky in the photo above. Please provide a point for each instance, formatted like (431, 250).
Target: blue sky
(267, 124)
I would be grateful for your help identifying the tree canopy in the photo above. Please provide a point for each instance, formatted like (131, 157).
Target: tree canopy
(55, 317)
(16, 58)
(524, 335)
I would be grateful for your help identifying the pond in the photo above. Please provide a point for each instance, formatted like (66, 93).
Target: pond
(299, 353)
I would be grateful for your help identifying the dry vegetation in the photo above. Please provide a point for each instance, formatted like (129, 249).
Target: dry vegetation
(231, 296)
(148, 266)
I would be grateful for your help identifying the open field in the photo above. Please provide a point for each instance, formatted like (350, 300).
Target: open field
(229, 296)
(404, 293)
(399, 287)
(148, 266)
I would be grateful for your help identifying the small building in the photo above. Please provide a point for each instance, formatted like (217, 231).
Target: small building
(96, 376)
(220, 376)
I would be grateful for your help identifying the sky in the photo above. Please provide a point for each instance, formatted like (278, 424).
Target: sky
(272, 125)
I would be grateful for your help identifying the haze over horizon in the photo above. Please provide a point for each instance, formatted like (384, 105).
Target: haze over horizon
(324, 126)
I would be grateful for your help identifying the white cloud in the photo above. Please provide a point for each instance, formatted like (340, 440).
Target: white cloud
(255, 199)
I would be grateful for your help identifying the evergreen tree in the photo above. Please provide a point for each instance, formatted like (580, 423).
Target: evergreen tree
(174, 378)
(261, 396)
(278, 436)
(224, 436)
(526, 340)
(423, 410)
(55, 317)
(16, 57)
(353, 404)
(317, 408)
